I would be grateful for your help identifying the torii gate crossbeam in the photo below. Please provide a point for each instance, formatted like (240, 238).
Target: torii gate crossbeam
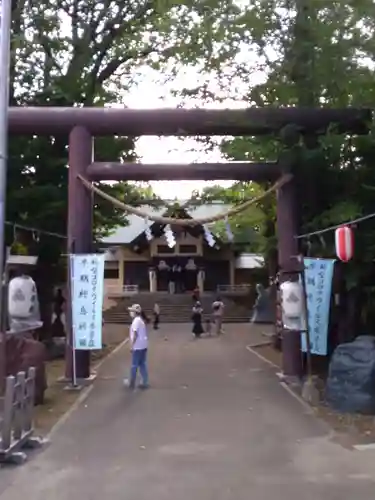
(83, 124)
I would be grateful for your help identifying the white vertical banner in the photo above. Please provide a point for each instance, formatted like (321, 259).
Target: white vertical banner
(87, 285)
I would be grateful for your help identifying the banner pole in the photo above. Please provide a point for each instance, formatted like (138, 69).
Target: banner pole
(72, 335)
(74, 363)
(306, 314)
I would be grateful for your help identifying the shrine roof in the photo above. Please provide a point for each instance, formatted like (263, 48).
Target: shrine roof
(123, 235)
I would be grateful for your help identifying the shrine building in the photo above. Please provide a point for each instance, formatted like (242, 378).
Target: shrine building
(135, 263)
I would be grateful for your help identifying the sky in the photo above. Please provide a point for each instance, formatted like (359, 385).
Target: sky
(153, 149)
(150, 93)
(152, 89)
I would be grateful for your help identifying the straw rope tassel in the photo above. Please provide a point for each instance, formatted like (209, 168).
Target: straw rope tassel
(284, 179)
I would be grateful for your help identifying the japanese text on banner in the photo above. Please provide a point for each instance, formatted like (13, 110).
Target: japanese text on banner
(87, 277)
(318, 281)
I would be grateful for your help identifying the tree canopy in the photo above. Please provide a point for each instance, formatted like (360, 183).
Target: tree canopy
(310, 53)
(88, 53)
(269, 53)
(273, 53)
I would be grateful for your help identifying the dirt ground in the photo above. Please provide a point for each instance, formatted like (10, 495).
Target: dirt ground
(57, 399)
(215, 424)
(360, 428)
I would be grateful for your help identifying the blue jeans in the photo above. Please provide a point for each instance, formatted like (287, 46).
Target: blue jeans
(139, 360)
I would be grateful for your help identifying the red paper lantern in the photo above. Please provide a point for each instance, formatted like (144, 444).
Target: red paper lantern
(344, 239)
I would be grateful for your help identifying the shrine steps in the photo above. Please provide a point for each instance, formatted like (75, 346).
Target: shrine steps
(174, 308)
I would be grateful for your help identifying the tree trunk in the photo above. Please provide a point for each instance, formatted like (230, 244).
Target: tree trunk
(45, 284)
(46, 277)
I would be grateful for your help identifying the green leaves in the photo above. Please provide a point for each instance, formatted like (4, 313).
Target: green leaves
(247, 226)
(87, 53)
(305, 53)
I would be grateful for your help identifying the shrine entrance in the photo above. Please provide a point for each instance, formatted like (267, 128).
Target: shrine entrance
(290, 125)
(182, 272)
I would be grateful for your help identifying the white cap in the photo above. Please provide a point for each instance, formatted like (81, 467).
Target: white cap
(136, 308)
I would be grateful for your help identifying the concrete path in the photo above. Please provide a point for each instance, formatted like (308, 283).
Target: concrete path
(216, 425)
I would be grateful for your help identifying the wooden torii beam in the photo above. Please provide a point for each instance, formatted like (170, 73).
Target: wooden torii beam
(184, 122)
(240, 171)
(83, 124)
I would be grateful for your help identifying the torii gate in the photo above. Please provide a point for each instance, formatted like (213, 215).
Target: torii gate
(83, 124)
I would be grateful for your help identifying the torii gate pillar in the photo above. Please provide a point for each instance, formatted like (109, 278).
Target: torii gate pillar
(80, 222)
(287, 228)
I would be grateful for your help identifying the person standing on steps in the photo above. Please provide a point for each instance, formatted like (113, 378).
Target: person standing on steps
(178, 279)
(172, 281)
(138, 346)
(156, 316)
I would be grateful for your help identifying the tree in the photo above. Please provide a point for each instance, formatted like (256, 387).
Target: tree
(245, 226)
(253, 229)
(315, 53)
(311, 53)
(87, 53)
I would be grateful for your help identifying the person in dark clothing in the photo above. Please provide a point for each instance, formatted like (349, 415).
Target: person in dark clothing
(59, 302)
(178, 276)
(172, 280)
(58, 309)
(197, 320)
(183, 279)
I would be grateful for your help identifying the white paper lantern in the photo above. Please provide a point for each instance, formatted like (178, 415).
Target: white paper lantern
(291, 299)
(22, 297)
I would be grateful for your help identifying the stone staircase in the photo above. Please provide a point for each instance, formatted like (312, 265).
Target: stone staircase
(173, 308)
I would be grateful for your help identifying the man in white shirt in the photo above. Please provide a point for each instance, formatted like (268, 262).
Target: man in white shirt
(139, 346)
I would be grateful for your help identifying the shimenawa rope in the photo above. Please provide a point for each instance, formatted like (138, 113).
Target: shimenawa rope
(185, 222)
